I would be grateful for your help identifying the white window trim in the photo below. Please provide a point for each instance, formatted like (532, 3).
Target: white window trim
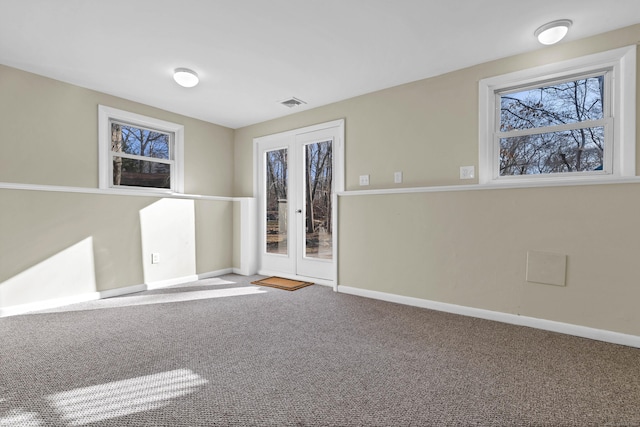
(105, 114)
(621, 61)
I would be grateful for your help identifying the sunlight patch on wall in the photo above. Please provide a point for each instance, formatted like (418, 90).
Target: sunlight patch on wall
(120, 398)
(168, 230)
(70, 272)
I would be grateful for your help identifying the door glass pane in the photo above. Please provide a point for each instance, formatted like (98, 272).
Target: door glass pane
(276, 198)
(318, 180)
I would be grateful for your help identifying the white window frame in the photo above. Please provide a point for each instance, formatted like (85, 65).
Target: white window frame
(106, 115)
(620, 138)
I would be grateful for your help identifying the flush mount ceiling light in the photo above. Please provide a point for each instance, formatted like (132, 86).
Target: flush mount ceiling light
(553, 32)
(185, 77)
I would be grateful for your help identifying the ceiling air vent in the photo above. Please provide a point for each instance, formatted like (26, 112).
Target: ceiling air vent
(292, 102)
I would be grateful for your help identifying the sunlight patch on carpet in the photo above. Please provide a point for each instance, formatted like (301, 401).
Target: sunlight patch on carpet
(160, 298)
(18, 417)
(101, 402)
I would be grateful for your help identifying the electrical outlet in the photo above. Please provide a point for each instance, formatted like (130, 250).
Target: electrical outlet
(364, 179)
(155, 258)
(397, 177)
(467, 172)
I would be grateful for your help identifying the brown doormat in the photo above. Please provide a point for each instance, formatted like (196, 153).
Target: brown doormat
(280, 283)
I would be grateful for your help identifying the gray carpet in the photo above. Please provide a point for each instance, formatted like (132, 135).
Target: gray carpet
(223, 352)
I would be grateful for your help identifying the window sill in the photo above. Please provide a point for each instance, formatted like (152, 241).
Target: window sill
(496, 186)
(112, 192)
(561, 181)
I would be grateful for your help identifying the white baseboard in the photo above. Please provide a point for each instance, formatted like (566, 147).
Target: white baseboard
(514, 319)
(170, 282)
(15, 310)
(244, 271)
(109, 293)
(216, 273)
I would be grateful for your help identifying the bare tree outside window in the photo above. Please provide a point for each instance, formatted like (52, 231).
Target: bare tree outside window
(276, 200)
(318, 184)
(556, 128)
(116, 146)
(143, 146)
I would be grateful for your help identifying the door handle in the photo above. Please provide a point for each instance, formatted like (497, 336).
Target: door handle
(299, 211)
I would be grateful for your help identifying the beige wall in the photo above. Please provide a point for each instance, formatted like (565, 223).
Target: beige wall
(49, 136)
(426, 129)
(214, 235)
(37, 225)
(62, 244)
(469, 247)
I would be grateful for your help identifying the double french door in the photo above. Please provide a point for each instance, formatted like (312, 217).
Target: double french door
(298, 174)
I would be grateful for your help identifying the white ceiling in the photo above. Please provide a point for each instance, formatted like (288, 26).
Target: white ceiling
(252, 53)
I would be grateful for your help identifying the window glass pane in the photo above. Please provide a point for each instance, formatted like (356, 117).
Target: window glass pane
(576, 150)
(552, 105)
(139, 141)
(141, 173)
(276, 199)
